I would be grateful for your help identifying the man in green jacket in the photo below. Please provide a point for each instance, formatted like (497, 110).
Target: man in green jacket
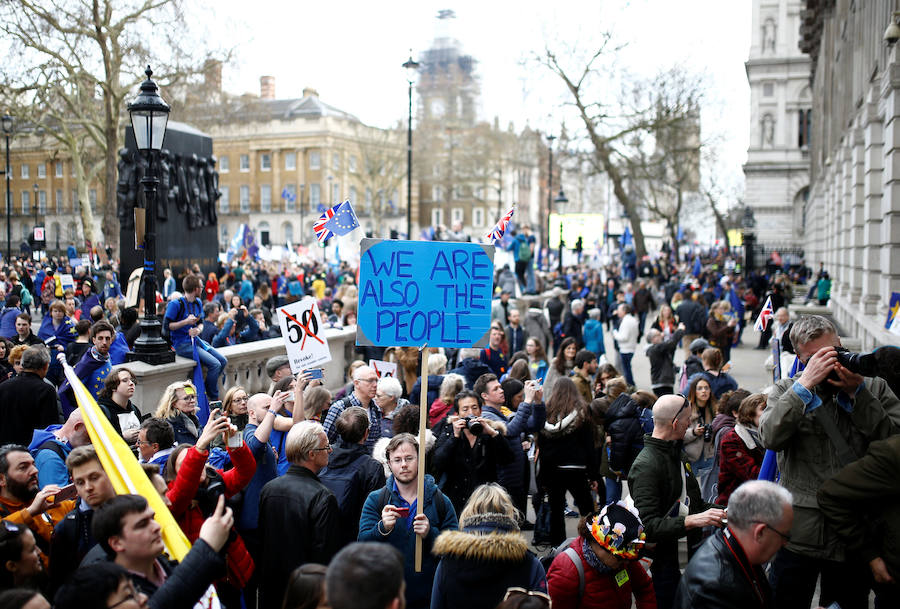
(666, 494)
(862, 502)
(818, 423)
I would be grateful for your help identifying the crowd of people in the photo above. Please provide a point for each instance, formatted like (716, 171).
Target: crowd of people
(304, 497)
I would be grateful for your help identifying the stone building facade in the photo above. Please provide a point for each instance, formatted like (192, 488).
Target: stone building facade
(777, 167)
(852, 219)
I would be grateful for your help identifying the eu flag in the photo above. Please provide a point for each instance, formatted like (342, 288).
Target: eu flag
(343, 221)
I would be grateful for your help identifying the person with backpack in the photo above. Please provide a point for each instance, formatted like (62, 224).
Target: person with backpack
(625, 439)
(182, 323)
(522, 247)
(352, 473)
(599, 569)
(390, 516)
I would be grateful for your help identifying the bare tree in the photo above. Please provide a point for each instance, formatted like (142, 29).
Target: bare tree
(70, 66)
(382, 170)
(614, 126)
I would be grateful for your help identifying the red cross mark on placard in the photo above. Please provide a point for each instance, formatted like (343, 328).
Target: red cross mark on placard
(307, 332)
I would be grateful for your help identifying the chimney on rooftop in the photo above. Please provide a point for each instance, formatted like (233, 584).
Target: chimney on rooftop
(267, 87)
(310, 92)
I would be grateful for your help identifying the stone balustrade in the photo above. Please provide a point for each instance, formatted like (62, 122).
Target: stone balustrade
(246, 366)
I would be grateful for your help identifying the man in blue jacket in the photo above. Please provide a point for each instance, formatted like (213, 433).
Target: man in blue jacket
(390, 515)
(52, 445)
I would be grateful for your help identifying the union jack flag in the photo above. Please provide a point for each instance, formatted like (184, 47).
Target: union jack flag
(339, 220)
(322, 233)
(500, 228)
(765, 316)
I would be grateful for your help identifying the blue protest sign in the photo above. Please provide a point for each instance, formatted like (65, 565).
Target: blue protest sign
(413, 292)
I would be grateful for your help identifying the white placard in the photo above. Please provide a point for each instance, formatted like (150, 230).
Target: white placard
(383, 369)
(67, 281)
(303, 334)
(38, 233)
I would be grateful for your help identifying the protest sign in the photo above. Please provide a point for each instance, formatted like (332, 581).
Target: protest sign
(383, 369)
(303, 335)
(67, 281)
(415, 292)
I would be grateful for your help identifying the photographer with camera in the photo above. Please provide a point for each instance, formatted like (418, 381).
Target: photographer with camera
(195, 488)
(469, 449)
(819, 422)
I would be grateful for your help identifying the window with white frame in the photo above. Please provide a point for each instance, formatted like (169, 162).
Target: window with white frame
(353, 196)
(477, 216)
(315, 196)
(290, 161)
(288, 230)
(224, 164)
(336, 161)
(456, 214)
(368, 199)
(263, 229)
(315, 159)
(436, 170)
(26, 202)
(60, 203)
(245, 199)
(290, 201)
(59, 169)
(352, 164)
(42, 170)
(224, 203)
(437, 193)
(245, 162)
(335, 193)
(74, 201)
(437, 216)
(25, 171)
(42, 202)
(265, 198)
(265, 162)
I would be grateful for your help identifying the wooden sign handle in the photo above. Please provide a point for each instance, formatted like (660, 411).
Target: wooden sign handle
(423, 418)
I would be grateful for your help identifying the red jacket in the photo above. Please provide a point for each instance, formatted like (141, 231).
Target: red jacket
(211, 289)
(737, 464)
(183, 489)
(600, 591)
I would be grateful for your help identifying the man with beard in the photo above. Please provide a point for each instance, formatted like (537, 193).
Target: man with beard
(93, 367)
(22, 501)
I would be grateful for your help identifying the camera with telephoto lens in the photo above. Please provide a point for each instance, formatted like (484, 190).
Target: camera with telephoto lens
(474, 426)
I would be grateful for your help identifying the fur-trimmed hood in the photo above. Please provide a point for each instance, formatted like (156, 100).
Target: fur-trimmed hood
(484, 537)
(566, 425)
(496, 425)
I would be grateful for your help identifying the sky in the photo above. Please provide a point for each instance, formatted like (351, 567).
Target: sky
(351, 52)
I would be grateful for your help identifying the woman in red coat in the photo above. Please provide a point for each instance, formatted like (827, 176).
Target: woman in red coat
(740, 453)
(212, 287)
(607, 545)
(194, 489)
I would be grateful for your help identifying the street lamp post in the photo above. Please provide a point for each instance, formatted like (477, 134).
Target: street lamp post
(560, 199)
(35, 202)
(411, 66)
(149, 115)
(7, 131)
(550, 139)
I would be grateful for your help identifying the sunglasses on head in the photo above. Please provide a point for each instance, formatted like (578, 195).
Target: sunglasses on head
(516, 591)
(684, 405)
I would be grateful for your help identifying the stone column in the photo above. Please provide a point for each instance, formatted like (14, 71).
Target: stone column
(856, 202)
(889, 260)
(872, 189)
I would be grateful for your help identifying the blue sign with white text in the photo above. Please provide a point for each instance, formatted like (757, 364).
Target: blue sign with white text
(416, 292)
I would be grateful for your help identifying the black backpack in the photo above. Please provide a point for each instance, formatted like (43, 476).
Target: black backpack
(345, 484)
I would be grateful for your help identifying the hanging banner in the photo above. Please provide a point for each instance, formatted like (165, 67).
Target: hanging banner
(304, 335)
(416, 292)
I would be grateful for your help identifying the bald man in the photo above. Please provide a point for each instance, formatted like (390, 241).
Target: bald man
(667, 495)
(365, 384)
(51, 446)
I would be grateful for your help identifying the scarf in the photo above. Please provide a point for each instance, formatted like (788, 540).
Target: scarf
(593, 560)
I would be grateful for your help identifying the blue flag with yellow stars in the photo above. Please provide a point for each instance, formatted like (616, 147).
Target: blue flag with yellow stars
(92, 369)
(893, 309)
(343, 221)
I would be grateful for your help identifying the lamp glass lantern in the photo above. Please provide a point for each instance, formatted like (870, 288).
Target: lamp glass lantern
(149, 115)
(412, 67)
(561, 198)
(7, 124)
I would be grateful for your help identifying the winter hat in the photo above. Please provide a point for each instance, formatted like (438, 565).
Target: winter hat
(618, 528)
(276, 362)
(699, 344)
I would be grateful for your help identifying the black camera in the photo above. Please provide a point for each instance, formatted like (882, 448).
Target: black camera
(707, 432)
(474, 426)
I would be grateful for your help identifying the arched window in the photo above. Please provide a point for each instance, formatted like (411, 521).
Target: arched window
(263, 230)
(288, 230)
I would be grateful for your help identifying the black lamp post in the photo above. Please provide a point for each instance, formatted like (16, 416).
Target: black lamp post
(149, 115)
(550, 139)
(35, 187)
(561, 199)
(411, 67)
(7, 131)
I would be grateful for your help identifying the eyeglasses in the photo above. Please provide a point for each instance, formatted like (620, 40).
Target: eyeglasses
(368, 380)
(188, 398)
(327, 447)
(512, 592)
(684, 405)
(240, 400)
(785, 537)
(132, 595)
